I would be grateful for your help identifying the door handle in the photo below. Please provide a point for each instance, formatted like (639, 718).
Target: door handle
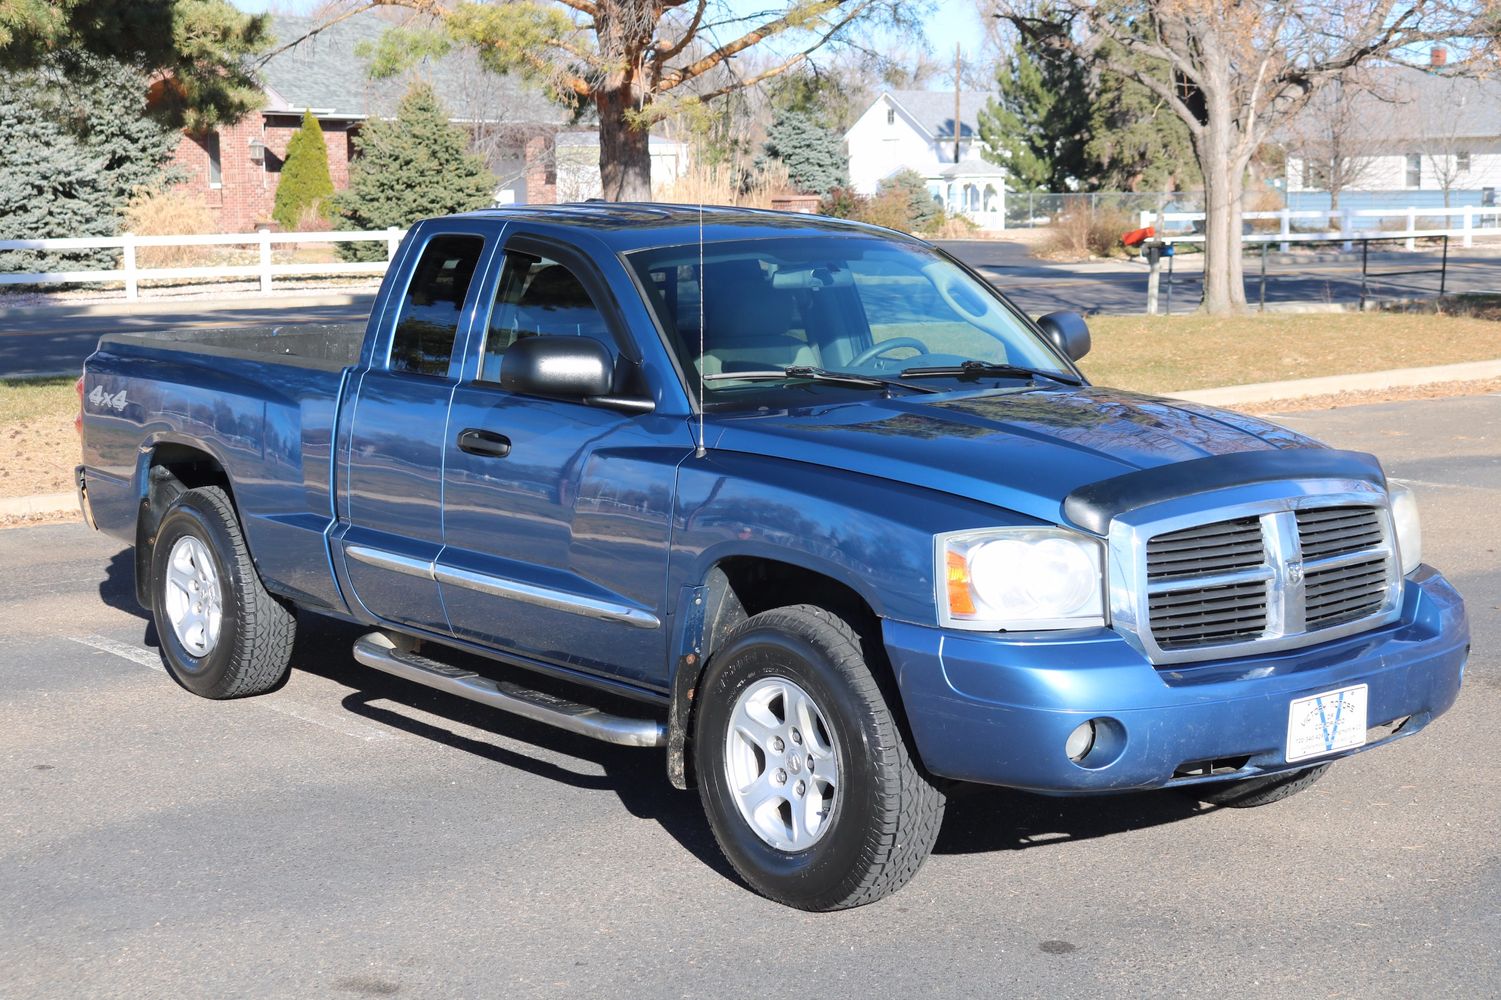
(486, 443)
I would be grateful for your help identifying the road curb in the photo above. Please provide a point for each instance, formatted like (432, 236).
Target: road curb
(41, 503)
(1329, 385)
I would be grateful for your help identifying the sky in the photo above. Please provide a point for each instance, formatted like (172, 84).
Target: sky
(949, 23)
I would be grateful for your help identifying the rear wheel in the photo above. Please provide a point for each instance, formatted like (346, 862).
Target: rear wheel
(807, 780)
(222, 635)
(1251, 792)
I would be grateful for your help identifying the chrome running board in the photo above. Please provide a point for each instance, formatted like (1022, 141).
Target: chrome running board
(378, 650)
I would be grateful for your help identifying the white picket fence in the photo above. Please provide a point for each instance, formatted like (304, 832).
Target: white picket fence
(264, 269)
(1350, 227)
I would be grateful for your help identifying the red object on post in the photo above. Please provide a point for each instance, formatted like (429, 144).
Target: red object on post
(1137, 237)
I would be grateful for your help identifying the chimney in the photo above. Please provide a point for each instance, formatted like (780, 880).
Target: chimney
(1438, 56)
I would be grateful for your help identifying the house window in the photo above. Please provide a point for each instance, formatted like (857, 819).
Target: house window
(1462, 163)
(891, 116)
(1414, 170)
(211, 143)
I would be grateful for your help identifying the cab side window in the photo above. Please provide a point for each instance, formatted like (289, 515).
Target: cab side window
(428, 320)
(538, 297)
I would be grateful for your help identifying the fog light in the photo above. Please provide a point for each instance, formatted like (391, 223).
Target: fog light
(1080, 741)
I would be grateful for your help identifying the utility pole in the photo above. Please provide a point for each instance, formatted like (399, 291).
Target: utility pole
(958, 77)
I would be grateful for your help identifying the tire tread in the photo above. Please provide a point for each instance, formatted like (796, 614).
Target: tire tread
(903, 834)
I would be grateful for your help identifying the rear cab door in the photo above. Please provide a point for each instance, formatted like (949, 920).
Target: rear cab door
(391, 509)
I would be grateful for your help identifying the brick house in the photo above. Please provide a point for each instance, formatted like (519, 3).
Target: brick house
(237, 167)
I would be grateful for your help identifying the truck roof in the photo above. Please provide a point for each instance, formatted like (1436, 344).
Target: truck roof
(629, 226)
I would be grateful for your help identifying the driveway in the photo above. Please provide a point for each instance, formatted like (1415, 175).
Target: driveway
(355, 835)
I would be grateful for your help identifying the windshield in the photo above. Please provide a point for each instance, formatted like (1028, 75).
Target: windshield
(859, 305)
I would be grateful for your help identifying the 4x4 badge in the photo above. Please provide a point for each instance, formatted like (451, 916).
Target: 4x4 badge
(99, 399)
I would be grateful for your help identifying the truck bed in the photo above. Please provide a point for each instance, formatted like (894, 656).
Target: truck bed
(262, 401)
(327, 346)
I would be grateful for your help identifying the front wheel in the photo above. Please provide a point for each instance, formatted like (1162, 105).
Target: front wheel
(807, 780)
(1249, 793)
(222, 635)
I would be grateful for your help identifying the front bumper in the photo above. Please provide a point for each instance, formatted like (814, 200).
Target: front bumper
(998, 708)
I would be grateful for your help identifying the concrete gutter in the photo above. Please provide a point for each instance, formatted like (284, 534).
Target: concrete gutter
(1230, 395)
(44, 503)
(1329, 385)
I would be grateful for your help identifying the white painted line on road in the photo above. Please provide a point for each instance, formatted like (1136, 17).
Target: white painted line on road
(303, 713)
(328, 720)
(124, 650)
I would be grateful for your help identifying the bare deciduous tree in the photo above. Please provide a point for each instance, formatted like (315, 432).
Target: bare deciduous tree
(1334, 140)
(1236, 72)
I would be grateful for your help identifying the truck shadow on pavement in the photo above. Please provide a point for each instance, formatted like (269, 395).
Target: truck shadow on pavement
(636, 776)
(982, 819)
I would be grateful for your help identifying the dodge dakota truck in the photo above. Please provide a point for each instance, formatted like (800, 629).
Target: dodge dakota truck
(806, 503)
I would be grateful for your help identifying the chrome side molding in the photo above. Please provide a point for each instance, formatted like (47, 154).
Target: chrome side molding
(497, 586)
(544, 597)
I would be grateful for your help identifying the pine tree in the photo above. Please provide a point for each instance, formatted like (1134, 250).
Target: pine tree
(305, 183)
(1038, 126)
(416, 166)
(1136, 142)
(814, 155)
(78, 144)
(200, 46)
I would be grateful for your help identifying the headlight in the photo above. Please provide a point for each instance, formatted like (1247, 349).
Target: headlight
(1019, 579)
(1405, 520)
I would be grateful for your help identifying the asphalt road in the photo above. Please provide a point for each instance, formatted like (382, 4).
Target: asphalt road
(355, 835)
(57, 340)
(1121, 288)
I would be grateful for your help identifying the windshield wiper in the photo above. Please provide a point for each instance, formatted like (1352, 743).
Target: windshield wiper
(817, 375)
(977, 369)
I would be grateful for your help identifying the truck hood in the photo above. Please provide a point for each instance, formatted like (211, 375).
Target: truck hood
(1021, 449)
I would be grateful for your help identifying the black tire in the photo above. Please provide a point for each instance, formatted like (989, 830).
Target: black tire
(1251, 792)
(256, 631)
(886, 813)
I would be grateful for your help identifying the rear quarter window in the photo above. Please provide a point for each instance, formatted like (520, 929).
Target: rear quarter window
(428, 320)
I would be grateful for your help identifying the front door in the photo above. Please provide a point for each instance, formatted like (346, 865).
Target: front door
(394, 483)
(557, 513)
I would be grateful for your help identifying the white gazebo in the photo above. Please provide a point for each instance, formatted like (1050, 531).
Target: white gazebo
(975, 189)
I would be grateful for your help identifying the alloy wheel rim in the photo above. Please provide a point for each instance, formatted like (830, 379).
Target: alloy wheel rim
(194, 598)
(782, 763)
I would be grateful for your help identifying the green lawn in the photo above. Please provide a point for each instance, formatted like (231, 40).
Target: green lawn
(27, 399)
(1159, 354)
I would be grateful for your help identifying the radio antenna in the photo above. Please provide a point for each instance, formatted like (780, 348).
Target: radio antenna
(701, 450)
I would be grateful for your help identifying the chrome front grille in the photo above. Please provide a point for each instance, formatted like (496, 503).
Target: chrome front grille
(1206, 549)
(1271, 576)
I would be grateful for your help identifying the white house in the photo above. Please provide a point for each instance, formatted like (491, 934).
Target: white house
(1434, 137)
(914, 129)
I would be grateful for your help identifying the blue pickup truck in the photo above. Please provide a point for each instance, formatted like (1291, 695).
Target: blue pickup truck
(804, 502)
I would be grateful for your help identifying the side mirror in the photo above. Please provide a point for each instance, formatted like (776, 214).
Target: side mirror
(1068, 332)
(571, 367)
(577, 368)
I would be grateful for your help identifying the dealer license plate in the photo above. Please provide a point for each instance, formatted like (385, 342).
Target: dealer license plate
(1326, 723)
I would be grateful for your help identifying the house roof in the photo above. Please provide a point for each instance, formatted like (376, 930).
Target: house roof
(933, 110)
(971, 168)
(1401, 104)
(327, 73)
(1409, 103)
